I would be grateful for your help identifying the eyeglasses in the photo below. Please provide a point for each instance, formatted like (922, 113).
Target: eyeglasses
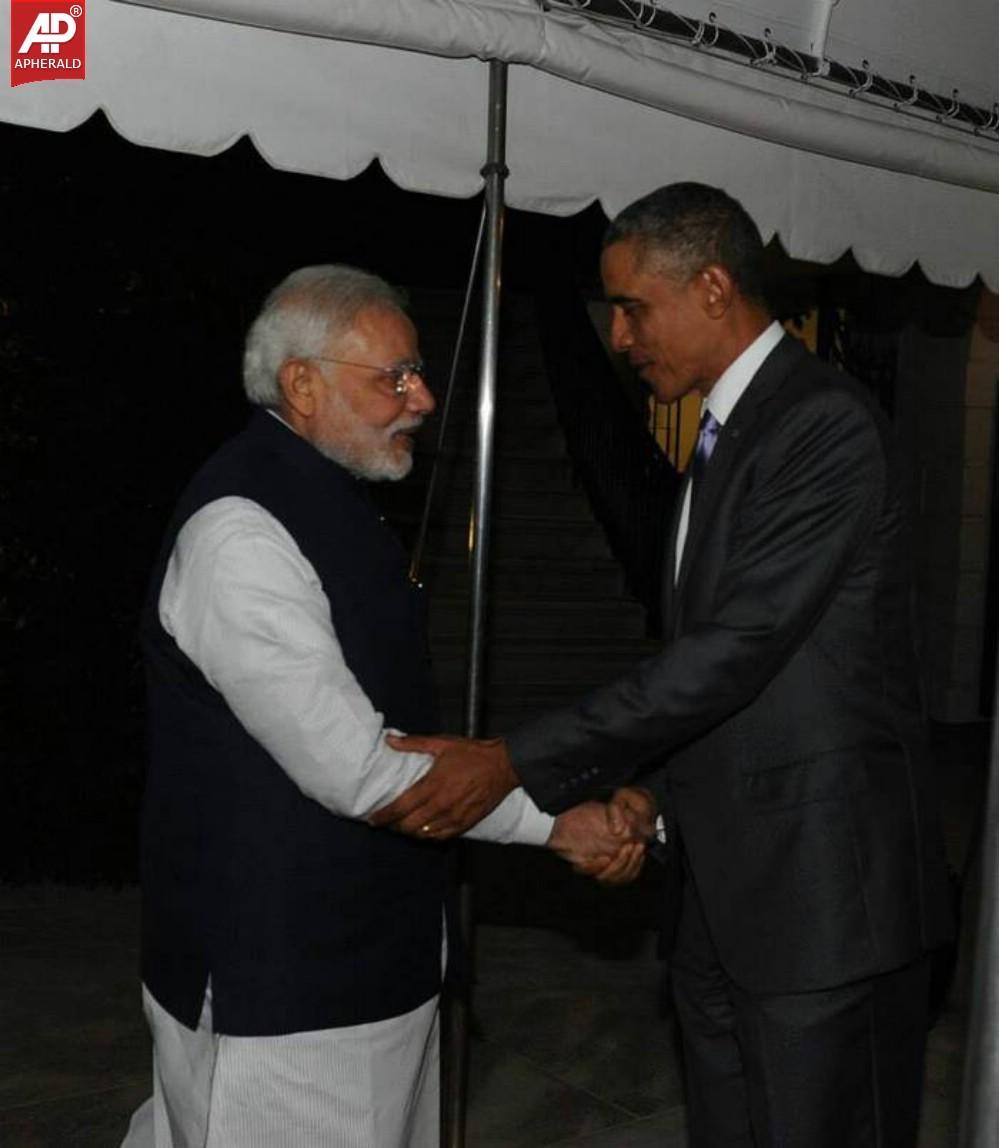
(398, 380)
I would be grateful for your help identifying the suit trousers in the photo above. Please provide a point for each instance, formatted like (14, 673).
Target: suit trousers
(836, 1068)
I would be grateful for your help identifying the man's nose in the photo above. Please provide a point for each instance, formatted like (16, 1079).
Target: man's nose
(419, 398)
(620, 332)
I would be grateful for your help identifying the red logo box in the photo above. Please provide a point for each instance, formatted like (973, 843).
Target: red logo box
(47, 41)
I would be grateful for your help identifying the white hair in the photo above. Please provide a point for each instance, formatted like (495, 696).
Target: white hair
(299, 318)
(364, 450)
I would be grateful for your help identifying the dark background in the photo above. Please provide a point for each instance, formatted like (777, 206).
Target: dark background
(127, 280)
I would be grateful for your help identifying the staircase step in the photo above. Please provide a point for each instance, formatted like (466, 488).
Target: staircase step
(527, 668)
(503, 709)
(525, 537)
(530, 403)
(560, 621)
(518, 618)
(517, 577)
(453, 505)
(518, 472)
(517, 384)
(562, 505)
(520, 438)
(458, 468)
(499, 715)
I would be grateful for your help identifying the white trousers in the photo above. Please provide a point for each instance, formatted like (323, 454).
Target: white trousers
(365, 1086)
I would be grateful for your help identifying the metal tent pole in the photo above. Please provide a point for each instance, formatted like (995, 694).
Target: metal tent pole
(455, 1067)
(980, 1096)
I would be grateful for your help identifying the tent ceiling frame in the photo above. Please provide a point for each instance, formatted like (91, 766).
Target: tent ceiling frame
(713, 39)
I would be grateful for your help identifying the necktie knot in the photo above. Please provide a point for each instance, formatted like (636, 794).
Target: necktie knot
(706, 438)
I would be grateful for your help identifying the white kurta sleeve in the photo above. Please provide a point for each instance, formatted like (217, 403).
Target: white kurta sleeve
(245, 605)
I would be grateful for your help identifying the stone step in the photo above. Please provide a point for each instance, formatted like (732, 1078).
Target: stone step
(454, 504)
(533, 400)
(403, 505)
(439, 310)
(437, 344)
(524, 429)
(518, 577)
(525, 668)
(520, 471)
(510, 472)
(522, 391)
(504, 709)
(498, 716)
(560, 621)
(517, 438)
(522, 537)
(522, 618)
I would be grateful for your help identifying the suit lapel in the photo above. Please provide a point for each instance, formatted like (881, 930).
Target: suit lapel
(733, 434)
(669, 558)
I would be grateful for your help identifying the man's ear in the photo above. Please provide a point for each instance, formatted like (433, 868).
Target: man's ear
(717, 290)
(297, 383)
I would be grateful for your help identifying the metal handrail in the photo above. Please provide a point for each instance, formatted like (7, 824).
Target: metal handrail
(416, 561)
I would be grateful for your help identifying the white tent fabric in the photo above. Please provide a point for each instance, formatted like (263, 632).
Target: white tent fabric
(945, 46)
(595, 113)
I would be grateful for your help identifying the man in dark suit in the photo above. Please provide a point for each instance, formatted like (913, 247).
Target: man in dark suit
(780, 725)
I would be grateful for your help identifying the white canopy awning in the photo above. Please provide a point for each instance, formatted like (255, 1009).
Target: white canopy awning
(596, 112)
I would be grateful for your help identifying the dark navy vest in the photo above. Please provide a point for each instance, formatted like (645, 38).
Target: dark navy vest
(302, 919)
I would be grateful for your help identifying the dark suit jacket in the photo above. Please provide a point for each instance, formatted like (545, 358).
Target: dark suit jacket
(783, 709)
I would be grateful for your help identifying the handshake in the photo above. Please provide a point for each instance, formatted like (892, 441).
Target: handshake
(607, 841)
(469, 778)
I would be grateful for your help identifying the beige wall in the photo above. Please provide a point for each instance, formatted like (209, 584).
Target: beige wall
(946, 398)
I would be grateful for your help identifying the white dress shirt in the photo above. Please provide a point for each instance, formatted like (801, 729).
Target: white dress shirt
(721, 400)
(246, 606)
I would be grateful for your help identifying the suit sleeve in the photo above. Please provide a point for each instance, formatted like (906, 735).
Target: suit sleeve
(817, 488)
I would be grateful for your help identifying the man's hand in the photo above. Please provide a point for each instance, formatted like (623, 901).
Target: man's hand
(630, 821)
(602, 841)
(634, 808)
(584, 834)
(468, 779)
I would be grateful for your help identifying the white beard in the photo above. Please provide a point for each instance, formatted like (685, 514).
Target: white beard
(384, 465)
(368, 452)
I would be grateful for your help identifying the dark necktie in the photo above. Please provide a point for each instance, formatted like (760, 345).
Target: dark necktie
(706, 438)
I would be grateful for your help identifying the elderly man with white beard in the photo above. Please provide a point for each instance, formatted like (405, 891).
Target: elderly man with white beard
(292, 955)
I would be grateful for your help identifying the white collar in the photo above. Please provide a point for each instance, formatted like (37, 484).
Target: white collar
(732, 382)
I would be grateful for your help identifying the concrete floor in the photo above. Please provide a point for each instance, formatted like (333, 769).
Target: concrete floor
(571, 1047)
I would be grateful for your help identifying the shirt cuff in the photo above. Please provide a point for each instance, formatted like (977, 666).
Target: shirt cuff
(515, 821)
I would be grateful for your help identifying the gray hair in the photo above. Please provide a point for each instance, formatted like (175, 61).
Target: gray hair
(683, 227)
(299, 318)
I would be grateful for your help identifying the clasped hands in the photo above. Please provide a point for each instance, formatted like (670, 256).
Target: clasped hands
(607, 841)
(470, 777)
